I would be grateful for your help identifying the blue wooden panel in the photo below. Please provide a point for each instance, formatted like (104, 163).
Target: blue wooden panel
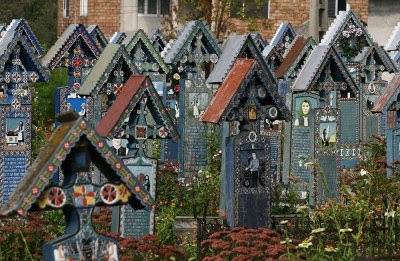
(14, 168)
(348, 122)
(327, 182)
(371, 126)
(228, 182)
(301, 152)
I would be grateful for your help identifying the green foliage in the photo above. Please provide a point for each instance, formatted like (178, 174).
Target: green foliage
(40, 14)
(362, 224)
(43, 116)
(22, 238)
(199, 196)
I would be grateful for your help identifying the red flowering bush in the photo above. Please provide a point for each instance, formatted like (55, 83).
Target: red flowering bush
(245, 244)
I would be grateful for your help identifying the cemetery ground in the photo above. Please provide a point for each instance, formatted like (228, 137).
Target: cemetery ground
(363, 223)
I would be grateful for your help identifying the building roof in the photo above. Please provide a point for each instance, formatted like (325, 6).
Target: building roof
(132, 93)
(396, 57)
(95, 31)
(185, 38)
(118, 38)
(339, 24)
(157, 39)
(229, 88)
(226, 91)
(293, 55)
(259, 40)
(236, 46)
(312, 68)
(8, 43)
(231, 51)
(22, 25)
(284, 29)
(393, 43)
(40, 174)
(366, 52)
(152, 55)
(101, 71)
(66, 41)
(389, 96)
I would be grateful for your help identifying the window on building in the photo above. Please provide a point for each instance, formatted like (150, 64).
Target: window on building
(165, 7)
(66, 8)
(152, 7)
(335, 6)
(84, 8)
(250, 8)
(141, 6)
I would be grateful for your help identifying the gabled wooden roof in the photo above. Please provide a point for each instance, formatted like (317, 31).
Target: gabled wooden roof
(104, 67)
(382, 55)
(297, 51)
(23, 26)
(338, 25)
(242, 69)
(132, 93)
(186, 37)
(237, 46)
(95, 31)
(311, 71)
(155, 56)
(66, 41)
(389, 96)
(60, 144)
(9, 42)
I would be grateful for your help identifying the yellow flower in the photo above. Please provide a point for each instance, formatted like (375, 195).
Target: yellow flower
(305, 245)
(330, 249)
(123, 193)
(318, 230)
(283, 222)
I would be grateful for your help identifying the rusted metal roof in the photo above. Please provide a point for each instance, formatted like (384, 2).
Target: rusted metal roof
(227, 90)
(297, 47)
(112, 117)
(132, 92)
(389, 95)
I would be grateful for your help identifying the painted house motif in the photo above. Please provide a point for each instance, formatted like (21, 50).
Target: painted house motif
(75, 147)
(283, 37)
(19, 68)
(137, 115)
(192, 57)
(105, 82)
(326, 124)
(98, 36)
(247, 106)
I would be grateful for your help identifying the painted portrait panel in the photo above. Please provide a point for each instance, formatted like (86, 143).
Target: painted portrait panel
(15, 133)
(327, 135)
(198, 102)
(303, 111)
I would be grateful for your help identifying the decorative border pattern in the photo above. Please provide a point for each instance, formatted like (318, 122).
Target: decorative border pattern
(82, 128)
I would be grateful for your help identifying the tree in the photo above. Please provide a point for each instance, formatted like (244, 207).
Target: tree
(217, 13)
(40, 14)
